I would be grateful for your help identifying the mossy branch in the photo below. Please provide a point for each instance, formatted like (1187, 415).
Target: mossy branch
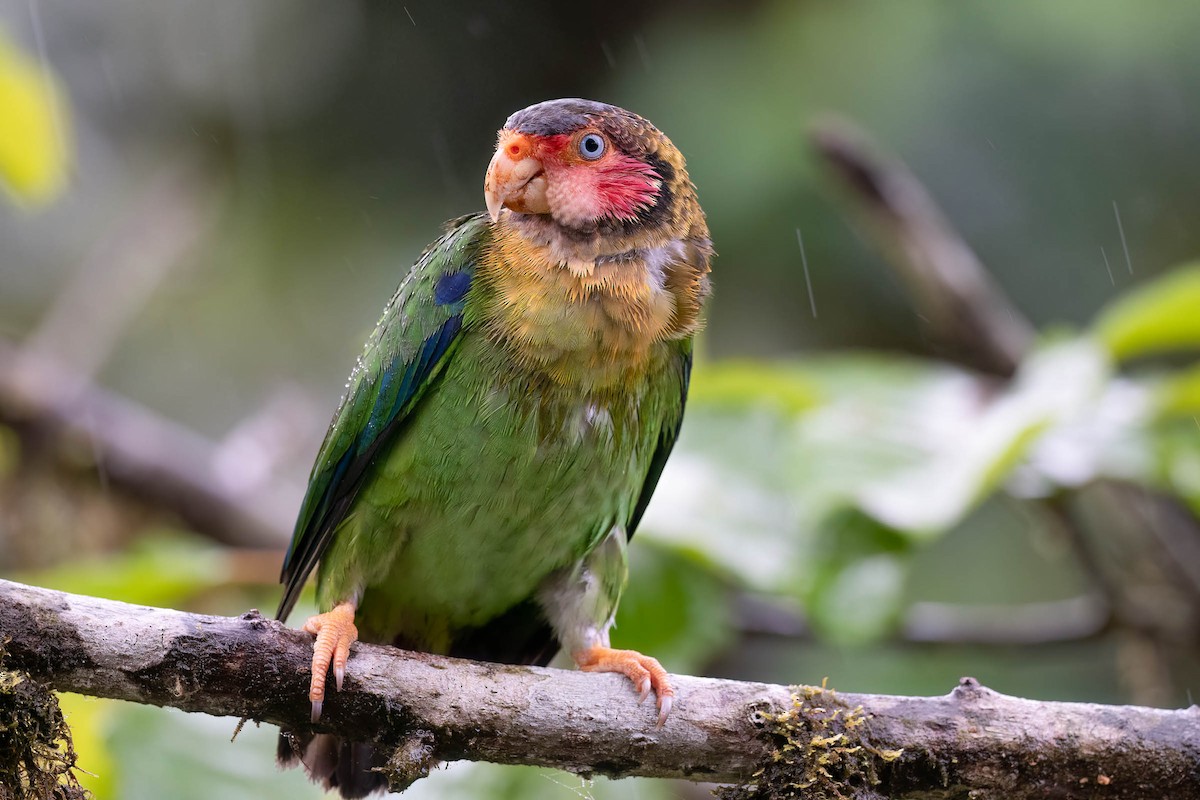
(770, 741)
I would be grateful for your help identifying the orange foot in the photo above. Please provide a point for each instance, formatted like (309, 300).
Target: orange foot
(335, 633)
(646, 673)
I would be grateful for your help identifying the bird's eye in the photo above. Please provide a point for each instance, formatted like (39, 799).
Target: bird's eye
(592, 146)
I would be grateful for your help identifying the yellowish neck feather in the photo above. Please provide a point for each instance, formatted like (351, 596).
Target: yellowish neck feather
(594, 324)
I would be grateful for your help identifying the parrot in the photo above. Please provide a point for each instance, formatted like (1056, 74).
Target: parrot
(508, 420)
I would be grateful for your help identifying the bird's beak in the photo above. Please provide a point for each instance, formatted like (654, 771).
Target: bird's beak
(514, 178)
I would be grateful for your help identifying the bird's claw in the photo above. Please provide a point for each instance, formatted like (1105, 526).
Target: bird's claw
(335, 632)
(646, 673)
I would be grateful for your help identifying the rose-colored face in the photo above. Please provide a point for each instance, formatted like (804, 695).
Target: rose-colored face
(577, 178)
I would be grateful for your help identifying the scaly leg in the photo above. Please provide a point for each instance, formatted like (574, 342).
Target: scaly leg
(335, 632)
(646, 673)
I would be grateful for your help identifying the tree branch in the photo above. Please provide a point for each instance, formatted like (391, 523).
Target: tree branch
(112, 285)
(1054, 622)
(956, 295)
(971, 740)
(144, 454)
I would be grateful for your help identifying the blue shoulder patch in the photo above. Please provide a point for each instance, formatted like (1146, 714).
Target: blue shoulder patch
(391, 399)
(451, 288)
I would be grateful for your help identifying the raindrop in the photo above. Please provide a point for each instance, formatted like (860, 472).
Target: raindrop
(1107, 267)
(642, 52)
(35, 18)
(608, 54)
(1121, 230)
(812, 300)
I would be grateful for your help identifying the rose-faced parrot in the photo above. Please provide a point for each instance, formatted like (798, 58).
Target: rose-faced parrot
(507, 421)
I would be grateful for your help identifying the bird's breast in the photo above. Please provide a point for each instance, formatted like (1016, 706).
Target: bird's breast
(593, 325)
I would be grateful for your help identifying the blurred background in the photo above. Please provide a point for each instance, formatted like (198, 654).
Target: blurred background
(885, 478)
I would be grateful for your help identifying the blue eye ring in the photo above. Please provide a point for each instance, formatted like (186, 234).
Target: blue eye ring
(592, 146)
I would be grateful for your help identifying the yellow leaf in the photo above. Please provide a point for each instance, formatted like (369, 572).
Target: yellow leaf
(88, 718)
(1159, 317)
(34, 150)
(1179, 394)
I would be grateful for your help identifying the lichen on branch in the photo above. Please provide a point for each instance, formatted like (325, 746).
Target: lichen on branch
(824, 748)
(37, 758)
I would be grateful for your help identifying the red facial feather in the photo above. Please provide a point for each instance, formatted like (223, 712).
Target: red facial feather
(626, 186)
(552, 146)
(616, 185)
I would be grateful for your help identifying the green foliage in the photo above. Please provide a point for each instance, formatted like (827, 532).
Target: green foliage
(858, 566)
(521, 783)
(871, 466)
(1176, 459)
(865, 458)
(1179, 394)
(1162, 316)
(738, 383)
(152, 748)
(673, 608)
(167, 571)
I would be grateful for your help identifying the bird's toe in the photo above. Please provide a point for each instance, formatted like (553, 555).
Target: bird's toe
(645, 672)
(335, 632)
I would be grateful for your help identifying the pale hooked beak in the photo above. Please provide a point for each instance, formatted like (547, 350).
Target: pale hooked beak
(514, 178)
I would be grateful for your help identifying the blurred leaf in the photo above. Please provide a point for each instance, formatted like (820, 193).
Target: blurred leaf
(89, 719)
(161, 571)
(1177, 448)
(10, 451)
(164, 752)
(1179, 394)
(1053, 387)
(674, 608)
(859, 566)
(755, 473)
(33, 148)
(480, 781)
(823, 500)
(722, 504)
(738, 384)
(1164, 315)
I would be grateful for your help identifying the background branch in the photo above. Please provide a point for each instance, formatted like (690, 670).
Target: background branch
(972, 739)
(970, 317)
(142, 453)
(1075, 619)
(112, 285)
(956, 296)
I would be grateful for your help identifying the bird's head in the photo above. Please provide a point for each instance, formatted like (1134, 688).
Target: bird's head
(589, 167)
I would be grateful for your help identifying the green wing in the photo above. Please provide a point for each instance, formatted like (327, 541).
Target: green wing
(666, 443)
(410, 346)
